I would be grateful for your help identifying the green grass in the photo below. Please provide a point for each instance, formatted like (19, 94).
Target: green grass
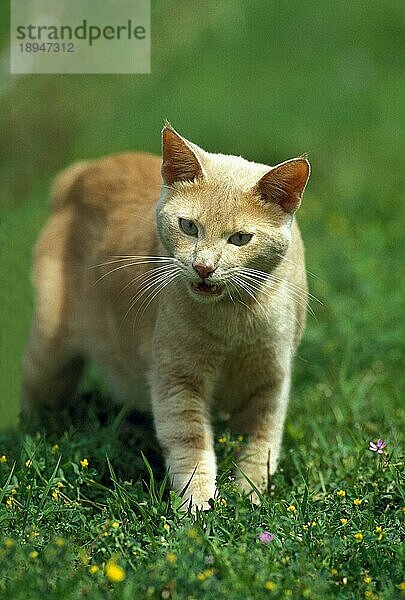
(64, 523)
(19, 228)
(268, 81)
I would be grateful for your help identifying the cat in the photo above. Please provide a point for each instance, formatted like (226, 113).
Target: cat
(190, 302)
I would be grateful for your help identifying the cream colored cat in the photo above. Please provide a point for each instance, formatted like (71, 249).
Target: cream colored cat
(189, 305)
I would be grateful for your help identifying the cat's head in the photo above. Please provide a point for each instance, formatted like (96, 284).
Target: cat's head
(220, 215)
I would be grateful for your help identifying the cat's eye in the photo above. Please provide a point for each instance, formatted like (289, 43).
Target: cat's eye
(240, 239)
(188, 227)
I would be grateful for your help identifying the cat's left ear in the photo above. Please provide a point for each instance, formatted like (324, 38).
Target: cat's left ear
(285, 183)
(180, 163)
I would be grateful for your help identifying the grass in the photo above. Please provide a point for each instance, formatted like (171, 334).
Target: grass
(267, 81)
(85, 515)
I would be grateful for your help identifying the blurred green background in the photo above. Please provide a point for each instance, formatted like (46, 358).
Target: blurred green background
(267, 80)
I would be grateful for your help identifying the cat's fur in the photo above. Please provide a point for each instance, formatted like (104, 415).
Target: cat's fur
(183, 353)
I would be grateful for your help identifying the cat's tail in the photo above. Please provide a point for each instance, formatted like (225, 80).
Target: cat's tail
(66, 184)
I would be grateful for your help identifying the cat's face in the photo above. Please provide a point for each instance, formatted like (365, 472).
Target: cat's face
(218, 220)
(215, 234)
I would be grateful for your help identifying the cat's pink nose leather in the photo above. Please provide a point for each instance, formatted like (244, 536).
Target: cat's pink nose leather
(203, 270)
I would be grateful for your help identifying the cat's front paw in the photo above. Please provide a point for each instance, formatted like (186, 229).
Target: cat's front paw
(258, 478)
(197, 494)
(195, 504)
(249, 491)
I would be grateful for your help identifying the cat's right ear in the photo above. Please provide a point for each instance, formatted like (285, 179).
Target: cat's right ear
(285, 184)
(180, 163)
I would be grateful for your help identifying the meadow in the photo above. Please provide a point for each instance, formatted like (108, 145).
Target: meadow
(85, 509)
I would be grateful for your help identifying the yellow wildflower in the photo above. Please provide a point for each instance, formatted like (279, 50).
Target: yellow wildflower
(333, 571)
(270, 585)
(33, 554)
(114, 572)
(313, 524)
(401, 586)
(28, 463)
(84, 463)
(55, 448)
(171, 558)
(380, 537)
(341, 493)
(3, 458)
(222, 439)
(205, 574)
(223, 502)
(367, 580)
(291, 509)
(55, 495)
(60, 484)
(343, 521)
(378, 529)
(192, 533)
(10, 502)
(358, 536)
(60, 542)
(166, 527)
(357, 501)
(93, 569)
(115, 524)
(9, 543)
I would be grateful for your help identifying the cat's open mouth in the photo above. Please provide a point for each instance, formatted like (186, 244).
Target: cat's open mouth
(205, 289)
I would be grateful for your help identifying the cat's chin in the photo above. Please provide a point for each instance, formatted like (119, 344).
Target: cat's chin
(206, 292)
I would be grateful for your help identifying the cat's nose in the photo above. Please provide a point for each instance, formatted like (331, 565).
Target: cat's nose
(203, 270)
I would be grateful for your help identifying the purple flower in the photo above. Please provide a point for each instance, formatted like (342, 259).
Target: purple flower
(266, 537)
(378, 447)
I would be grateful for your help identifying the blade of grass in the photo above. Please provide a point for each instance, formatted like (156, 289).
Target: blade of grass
(49, 485)
(3, 490)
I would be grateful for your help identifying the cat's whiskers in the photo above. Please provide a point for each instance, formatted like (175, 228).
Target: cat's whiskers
(234, 285)
(266, 276)
(249, 290)
(269, 278)
(152, 295)
(153, 281)
(168, 187)
(134, 257)
(276, 304)
(291, 293)
(145, 275)
(283, 257)
(227, 287)
(295, 292)
(134, 263)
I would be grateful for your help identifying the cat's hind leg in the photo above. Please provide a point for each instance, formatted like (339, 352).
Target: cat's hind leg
(52, 365)
(51, 372)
